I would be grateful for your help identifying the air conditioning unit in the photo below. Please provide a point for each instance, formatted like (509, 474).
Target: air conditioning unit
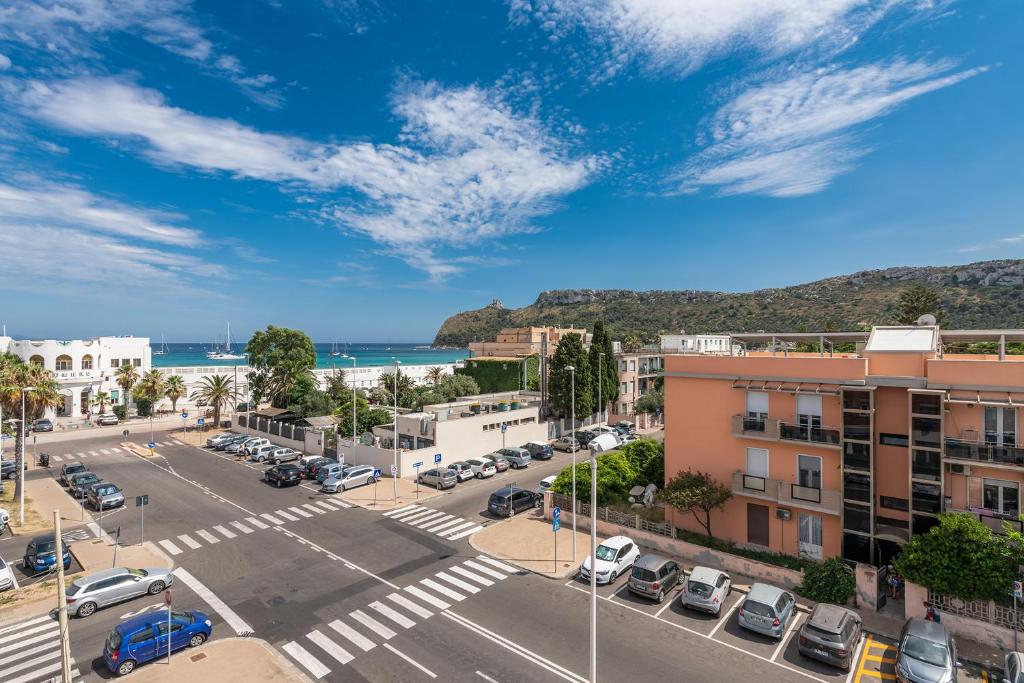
(783, 513)
(960, 469)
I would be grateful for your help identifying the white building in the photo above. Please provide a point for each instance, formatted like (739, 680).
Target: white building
(83, 367)
(698, 343)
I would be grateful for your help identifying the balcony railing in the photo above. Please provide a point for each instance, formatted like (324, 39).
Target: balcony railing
(797, 432)
(787, 493)
(754, 427)
(980, 452)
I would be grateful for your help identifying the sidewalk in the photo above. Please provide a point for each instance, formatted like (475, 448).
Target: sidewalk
(228, 660)
(528, 542)
(134, 426)
(363, 496)
(42, 495)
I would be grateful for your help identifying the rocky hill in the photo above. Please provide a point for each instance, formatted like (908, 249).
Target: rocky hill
(976, 295)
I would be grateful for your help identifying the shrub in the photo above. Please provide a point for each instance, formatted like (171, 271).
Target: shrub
(647, 460)
(829, 581)
(766, 556)
(614, 477)
(119, 410)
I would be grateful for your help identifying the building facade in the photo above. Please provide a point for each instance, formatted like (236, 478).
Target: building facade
(638, 373)
(698, 343)
(850, 454)
(83, 367)
(518, 342)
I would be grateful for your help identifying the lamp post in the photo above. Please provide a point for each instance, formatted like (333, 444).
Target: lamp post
(394, 476)
(572, 375)
(353, 359)
(21, 474)
(593, 566)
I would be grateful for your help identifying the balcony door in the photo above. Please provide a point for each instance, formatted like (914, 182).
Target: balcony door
(810, 536)
(808, 471)
(1000, 426)
(808, 412)
(1002, 496)
(757, 411)
(757, 524)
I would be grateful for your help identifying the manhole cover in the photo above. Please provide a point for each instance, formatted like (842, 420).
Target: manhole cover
(197, 657)
(276, 601)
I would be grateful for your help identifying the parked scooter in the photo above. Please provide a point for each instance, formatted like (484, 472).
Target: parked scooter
(44, 459)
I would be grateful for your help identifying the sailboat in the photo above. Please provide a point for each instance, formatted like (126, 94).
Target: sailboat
(226, 354)
(335, 352)
(163, 347)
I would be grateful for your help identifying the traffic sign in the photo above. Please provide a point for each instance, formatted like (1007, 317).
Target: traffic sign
(418, 464)
(437, 458)
(1018, 590)
(556, 519)
(184, 415)
(200, 422)
(504, 426)
(142, 500)
(151, 445)
(394, 470)
(376, 474)
(167, 597)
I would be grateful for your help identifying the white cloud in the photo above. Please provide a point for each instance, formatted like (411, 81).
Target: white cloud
(5, 62)
(466, 168)
(794, 136)
(682, 35)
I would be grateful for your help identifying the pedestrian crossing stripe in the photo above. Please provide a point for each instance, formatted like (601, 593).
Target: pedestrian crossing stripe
(303, 657)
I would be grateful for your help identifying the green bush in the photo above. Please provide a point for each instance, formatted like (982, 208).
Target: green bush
(647, 460)
(119, 410)
(614, 475)
(143, 407)
(494, 376)
(829, 581)
(766, 556)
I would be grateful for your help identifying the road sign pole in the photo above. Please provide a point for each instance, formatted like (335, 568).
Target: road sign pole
(437, 468)
(1015, 622)
(167, 599)
(142, 524)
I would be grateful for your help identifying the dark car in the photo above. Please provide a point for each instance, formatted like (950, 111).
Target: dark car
(830, 635)
(80, 483)
(539, 451)
(41, 554)
(69, 469)
(144, 638)
(584, 437)
(509, 500)
(9, 469)
(313, 466)
(43, 425)
(283, 475)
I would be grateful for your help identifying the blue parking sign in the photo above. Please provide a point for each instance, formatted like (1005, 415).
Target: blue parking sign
(437, 458)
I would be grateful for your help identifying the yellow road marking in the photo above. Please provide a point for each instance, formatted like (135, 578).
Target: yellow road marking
(877, 674)
(984, 676)
(878, 658)
(882, 646)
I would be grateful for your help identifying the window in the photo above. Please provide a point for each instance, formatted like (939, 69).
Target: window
(1000, 426)
(87, 362)
(892, 521)
(857, 548)
(64, 362)
(926, 431)
(808, 471)
(857, 487)
(757, 405)
(856, 518)
(757, 462)
(922, 524)
(37, 360)
(892, 503)
(808, 411)
(1001, 496)
(900, 440)
(857, 456)
(137, 362)
(926, 465)
(925, 404)
(624, 388)
(115, 363)
(809, 530)
(161, 628)
(926, 497)
(141, 636)
(857, 426)
(857, 400)
(115, 394)
(625, 409)
(632, 365)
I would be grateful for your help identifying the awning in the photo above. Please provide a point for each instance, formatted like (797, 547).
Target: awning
(1005, 399)
(787, 387)
(275, 413)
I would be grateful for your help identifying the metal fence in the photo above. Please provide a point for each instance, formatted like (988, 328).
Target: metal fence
(979, 610)
(272, 427)
(618, 517)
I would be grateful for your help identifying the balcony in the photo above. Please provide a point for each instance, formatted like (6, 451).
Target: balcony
(824, 436)
(755, 428)
(984, 453)
(787, 493)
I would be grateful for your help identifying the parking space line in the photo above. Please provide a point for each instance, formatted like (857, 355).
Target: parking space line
(400, 619)
(372, 624)
(410, 605)
(357, 638)
(207, 536)
(723, 619)
(303, 657)
(880, 659)
(411, 661)
(787, 636)
(856, 662)
(668, 603)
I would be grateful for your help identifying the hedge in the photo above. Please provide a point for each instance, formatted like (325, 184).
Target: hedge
(495, 375)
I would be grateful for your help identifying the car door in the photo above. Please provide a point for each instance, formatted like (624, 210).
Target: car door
(142, 645)
(121, 588)
(177, 638)
(671, 575)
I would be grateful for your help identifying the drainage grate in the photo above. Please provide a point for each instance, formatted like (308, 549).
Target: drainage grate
(197, 657)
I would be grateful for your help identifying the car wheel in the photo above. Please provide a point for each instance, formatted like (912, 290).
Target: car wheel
(126, 667)
(156, 587)
(86, 609)
(276, 461)
(479, 475)
(614, 575)
(661, 597)
(197, 640)
(369, 480)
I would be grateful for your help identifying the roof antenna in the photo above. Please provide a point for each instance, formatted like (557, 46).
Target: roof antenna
(927, 320)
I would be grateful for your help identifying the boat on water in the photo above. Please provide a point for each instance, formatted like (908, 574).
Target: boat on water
(335, 351)
(162, 351)
(225, 352)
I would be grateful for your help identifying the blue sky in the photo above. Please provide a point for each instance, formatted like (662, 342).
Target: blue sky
(365, 169)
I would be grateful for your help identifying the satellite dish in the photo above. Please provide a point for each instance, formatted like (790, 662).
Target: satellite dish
(927, 320)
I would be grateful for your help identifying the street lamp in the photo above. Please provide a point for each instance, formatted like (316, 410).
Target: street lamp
(593, 565)
(394, 474)
(21, 474)
(572, 375)
(353, 359)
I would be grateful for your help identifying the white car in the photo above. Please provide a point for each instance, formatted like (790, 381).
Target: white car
(604, 429)
(249, 446)
(5, 518)
(463, 470)
(615, 557)
(6, 578)
(482, 468)
(262, 453)
(545, 484)
(107, 419)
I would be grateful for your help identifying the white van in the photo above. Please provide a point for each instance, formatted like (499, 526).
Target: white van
(250, 446)
(603, 442)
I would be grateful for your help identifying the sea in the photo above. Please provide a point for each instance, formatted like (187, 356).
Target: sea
(180, 354)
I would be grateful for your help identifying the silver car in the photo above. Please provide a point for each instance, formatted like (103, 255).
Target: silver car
(705, 590)
(438, 478)
(517, 457)
(926, 653)
(280, 455)
(349, 478)
(499, 460)
(463, 470)
(89, 593)
(104, 495)
(220, 438)
(767, 610)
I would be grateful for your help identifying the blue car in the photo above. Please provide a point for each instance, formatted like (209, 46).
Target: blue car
(144, 638)
(41, 554)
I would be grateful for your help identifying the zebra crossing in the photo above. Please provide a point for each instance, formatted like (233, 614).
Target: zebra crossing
(437, 522)
(112, 450)
(30, 651)
(200, 538)
(342, 640)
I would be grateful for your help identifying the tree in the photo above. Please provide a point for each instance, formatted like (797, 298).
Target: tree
(632, 343)
(15, 375)
(960, 556)
(647, 462)
(101, 400)
(152, 386)
(288, 381)
(652, 403)
(570, 353)
(614, 479)
(915, 301)
(174, 389)
(337, 387)
(453, 386)
(126, 377)
(697, 493)
(216, 391)
(279, 358)
(602, 360)
(384, 393)
(435, 373)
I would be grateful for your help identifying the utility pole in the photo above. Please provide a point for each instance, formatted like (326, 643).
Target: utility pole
(394, 475)
(62, 603)
(572, 375)
(20, 464)
(593, 566)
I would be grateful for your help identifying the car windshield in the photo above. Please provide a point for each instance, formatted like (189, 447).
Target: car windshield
(474, 462)
(606, 553)
(138, 572)
(46, 547)
(106, 490)
(701, 590)
(71, 469)
(186, 617)
(73, 589)
(926, 651)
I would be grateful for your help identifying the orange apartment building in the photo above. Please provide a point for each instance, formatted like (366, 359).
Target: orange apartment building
(519, 342)
(849, 454)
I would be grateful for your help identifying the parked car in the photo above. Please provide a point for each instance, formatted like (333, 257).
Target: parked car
(545, 483)
(328, 470)
(926, 653)
(1013, 667)
(220, 438)
(104, 495)
(438, 478)
(628, 426)
(584, 436)
(80, 483)
(830, 635)
(614, 556)
(351, 477)
(567, 444)
(262, 453)
(232, 445)
(42, 425)
(283, 475)
(280, 455)
(9, 468)
(627, 438)
(653, 576)
(499, 461)
(767, 610)
(538, 450)
(706, 590)
(314, 464)
(107, 419)
(86, 594)
(142, 639)
(68, 470)
(482, 468)
(603, 429)
(462, 470)
(254, 443)
(507, 501)
(6, 577)
(238, 445)
(305, 460)
(41, 554)
(603, 442)
(517, 457)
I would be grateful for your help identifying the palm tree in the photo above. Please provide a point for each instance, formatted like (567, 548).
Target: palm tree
(15, 375)
(215, 390)
(101, 399)
(174, 388)
(434, 374)
(152, 388)
(126, 377)
(632, 343)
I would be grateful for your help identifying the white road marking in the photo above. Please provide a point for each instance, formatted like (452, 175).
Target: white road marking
(35, 675)
(29, 663)
(436, 514)
(467, 532)
(325, 505)
(207, 536)
(788, 636)
(357, 638)
(447, 592)
(458, 583)
(80, 454)
(722, 619)
(427, 597)
(454, 529)
(457, 520)
(410, 605)
(282, 513)
(104, 451)
(484, 676)
(57, 458)
(342, 503)
(314, 508)
(300, 512)
(421, 513)
(485, 570)
(400, 619)
(401, 511)
(53, 646)
(372, 624)
(27, 622)
(668, 603)
(303, 657)
(436, 522)
(271, 518)
(856, 658)
(330, 647)
(189, 541)
(227, 614)
(500, 565)
(470, 575)
(241, 527)
(93, 453)
(170, 547)
(224, 532)
(257, 523)
(35, 629)
(412, 661)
